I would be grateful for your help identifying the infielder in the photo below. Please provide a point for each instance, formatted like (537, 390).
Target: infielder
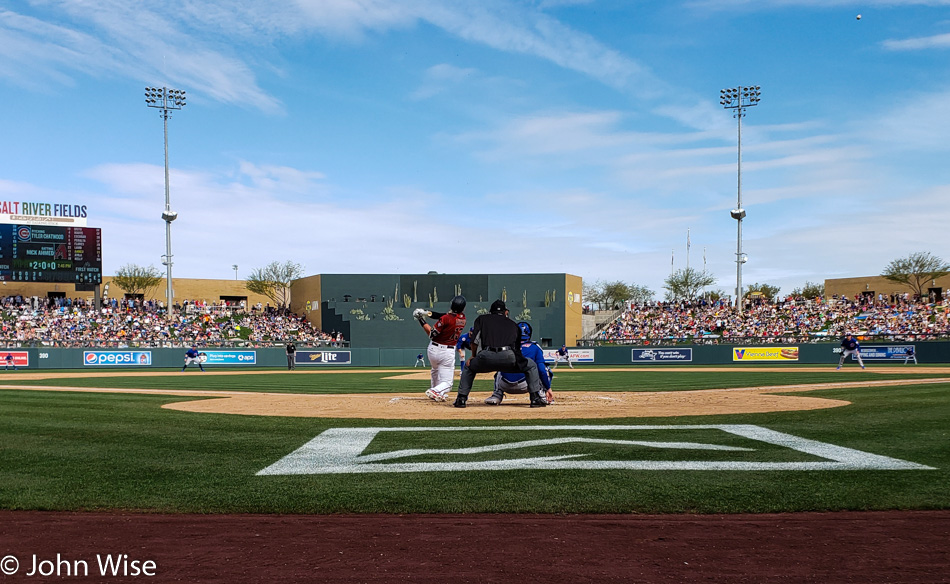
(442, 338)
(193, 357)
(518, 382)
(562, 354)
(910, 355)
(850, 346)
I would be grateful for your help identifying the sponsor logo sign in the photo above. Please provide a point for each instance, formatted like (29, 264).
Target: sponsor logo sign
(661, 355)
(765, 354)
(322, 358)
(20, 358)
(123, 358)
(577, 355)
(64, 214)
(674, 447)
(230, 357)
(885, 352)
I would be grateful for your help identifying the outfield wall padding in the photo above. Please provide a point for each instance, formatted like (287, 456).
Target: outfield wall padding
(721, 355)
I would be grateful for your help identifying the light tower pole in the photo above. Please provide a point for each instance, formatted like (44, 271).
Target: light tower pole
(166, 100)
(738, 99)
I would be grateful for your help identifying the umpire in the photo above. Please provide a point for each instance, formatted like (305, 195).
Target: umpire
(496, 346)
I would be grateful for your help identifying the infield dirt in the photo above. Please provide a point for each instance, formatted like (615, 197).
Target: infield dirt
(587, 404)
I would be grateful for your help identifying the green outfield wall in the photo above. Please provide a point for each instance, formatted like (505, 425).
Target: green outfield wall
(375, 310)
(933, 352)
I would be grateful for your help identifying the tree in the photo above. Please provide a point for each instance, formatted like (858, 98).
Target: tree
(136, 280)
(616, 294)
(810, 290)
(640, 294)
(273, 281)
(716, 295)
(609, 295)
(593, 295)
(766, 290)
(687, 283)
(916, 270)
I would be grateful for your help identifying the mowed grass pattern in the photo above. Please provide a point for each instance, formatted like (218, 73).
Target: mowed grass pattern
(120, 451)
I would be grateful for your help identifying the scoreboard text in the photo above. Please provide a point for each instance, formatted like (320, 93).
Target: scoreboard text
(39, 253)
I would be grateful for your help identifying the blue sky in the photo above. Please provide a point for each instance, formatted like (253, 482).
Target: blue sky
(366, 136)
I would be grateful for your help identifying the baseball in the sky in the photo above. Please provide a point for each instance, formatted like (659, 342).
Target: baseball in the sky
(859, 17)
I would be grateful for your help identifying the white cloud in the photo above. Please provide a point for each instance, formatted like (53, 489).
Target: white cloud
(440, 78)
(940, 41)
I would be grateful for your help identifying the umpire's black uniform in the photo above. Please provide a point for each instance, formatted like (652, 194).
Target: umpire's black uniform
(291, 349)
(496, 346)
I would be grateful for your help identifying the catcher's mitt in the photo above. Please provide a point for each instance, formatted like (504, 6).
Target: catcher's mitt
(420, 313)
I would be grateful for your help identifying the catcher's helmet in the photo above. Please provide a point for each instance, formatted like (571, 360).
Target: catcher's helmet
(525, 331)
(458, 304)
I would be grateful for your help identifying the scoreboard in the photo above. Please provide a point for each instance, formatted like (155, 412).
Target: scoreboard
(39, 253)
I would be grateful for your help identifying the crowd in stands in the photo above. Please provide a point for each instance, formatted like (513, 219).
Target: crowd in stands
(64, 322)
(791, 319)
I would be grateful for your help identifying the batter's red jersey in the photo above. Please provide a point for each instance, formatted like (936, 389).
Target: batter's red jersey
(448, 329)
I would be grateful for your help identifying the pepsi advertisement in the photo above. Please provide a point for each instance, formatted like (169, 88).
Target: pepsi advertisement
(117, 358)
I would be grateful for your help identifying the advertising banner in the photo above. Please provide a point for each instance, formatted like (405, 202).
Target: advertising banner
(885, 353)
(20, 358)
(662, 355)
(577, 355)
(765, 354)
(120, 358)
(230, 357)
(322, 358)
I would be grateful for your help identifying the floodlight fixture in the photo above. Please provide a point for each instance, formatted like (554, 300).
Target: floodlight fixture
(738, 99)
(166, 100)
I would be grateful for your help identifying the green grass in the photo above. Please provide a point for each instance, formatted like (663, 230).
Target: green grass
(374, 381)
(69, 451)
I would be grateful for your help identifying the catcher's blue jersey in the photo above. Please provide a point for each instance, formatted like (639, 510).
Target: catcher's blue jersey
(532, 351)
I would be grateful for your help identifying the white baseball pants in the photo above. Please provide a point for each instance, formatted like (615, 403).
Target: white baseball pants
(442, 360)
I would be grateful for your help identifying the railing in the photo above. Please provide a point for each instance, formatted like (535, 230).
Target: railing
(776, 340)
(179, 343)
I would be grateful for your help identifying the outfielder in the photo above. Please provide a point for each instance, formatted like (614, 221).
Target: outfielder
(850, 346)
(193, 357)
(441, 351)
(562, 354)
(518, 382)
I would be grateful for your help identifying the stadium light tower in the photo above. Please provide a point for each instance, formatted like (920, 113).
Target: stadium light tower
(738, 99)
(166, 100)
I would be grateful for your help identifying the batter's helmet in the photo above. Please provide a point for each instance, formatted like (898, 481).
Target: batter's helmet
(525, 331)
(458, 304)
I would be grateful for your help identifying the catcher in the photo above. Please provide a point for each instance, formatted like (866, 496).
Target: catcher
(442, 339)
(193, 357)
(518, 382)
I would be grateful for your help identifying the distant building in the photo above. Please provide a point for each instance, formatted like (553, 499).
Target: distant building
(879, 285)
